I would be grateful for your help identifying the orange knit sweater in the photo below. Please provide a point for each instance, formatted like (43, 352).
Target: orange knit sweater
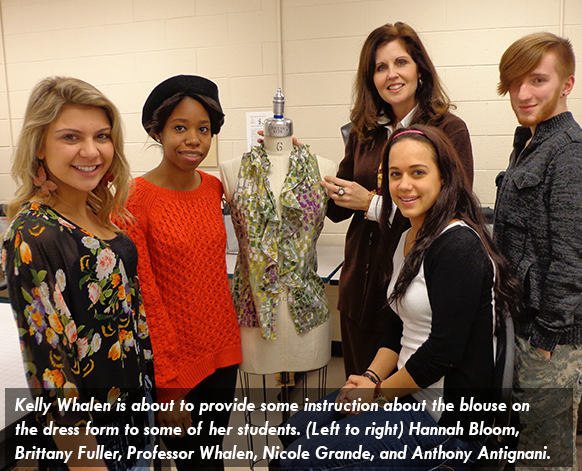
(181, 241)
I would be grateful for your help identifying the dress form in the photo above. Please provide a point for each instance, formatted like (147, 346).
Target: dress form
(289, 352)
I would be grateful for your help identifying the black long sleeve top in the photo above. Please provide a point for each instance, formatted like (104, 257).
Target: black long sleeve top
(459, 280)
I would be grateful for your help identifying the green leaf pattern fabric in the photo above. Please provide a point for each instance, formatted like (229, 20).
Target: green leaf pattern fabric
(278, 251)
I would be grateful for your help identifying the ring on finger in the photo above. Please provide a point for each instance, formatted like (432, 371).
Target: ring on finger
(341, 191)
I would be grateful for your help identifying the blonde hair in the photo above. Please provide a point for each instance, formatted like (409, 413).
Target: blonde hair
(525, 54)
(45, 104)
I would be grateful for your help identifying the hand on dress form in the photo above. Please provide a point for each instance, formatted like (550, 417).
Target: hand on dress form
(347, 194)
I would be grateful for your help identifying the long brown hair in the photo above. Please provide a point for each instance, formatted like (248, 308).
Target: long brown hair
(369, 106)
(456, 200)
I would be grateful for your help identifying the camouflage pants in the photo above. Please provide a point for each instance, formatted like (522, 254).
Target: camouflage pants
(551, 388)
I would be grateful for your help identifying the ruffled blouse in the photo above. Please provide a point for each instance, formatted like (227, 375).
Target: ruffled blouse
(278, 251)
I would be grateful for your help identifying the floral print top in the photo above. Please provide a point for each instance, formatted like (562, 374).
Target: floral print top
(76, 301)
(278, 251)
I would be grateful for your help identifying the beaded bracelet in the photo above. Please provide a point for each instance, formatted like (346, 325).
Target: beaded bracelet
(371, 195)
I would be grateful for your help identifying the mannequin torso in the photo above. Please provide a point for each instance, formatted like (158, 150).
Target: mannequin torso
(290, 351)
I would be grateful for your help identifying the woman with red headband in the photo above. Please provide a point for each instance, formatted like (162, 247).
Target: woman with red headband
(447, 286)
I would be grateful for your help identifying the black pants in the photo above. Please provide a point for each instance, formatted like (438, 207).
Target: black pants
(219, 387)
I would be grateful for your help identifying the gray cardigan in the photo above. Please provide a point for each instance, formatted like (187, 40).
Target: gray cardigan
(538, 227)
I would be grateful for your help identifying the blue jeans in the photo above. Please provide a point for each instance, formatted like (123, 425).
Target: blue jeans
(403, 448)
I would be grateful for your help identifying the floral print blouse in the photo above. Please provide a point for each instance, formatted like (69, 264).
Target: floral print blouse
(76, 301)
(277, 251)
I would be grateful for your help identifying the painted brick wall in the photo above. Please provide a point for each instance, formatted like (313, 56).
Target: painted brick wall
(125, 47)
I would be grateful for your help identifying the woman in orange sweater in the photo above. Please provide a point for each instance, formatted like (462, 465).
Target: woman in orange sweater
(181, 240)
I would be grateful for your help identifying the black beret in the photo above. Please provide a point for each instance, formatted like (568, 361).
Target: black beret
(190, 85)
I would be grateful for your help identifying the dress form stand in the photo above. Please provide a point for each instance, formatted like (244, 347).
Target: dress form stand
(289, 352)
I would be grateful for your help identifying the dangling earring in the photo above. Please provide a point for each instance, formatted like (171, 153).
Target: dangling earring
(41, 181)
(107, 179)
(420, 83)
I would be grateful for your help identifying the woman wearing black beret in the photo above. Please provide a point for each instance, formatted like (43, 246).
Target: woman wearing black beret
(180, 236)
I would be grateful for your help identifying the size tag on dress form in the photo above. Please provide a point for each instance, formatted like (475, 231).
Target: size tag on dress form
(256, 122)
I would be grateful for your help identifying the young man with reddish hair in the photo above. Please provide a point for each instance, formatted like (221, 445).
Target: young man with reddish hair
(538, 217)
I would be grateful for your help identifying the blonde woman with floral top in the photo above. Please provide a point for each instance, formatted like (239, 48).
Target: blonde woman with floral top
(72, 275)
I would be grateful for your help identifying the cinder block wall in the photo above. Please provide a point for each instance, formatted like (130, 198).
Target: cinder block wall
(249, 47)
(125, 47)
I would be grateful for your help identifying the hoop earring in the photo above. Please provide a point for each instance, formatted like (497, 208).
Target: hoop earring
(42, 182)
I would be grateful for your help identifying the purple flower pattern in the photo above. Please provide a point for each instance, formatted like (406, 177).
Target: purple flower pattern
(278, 251)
